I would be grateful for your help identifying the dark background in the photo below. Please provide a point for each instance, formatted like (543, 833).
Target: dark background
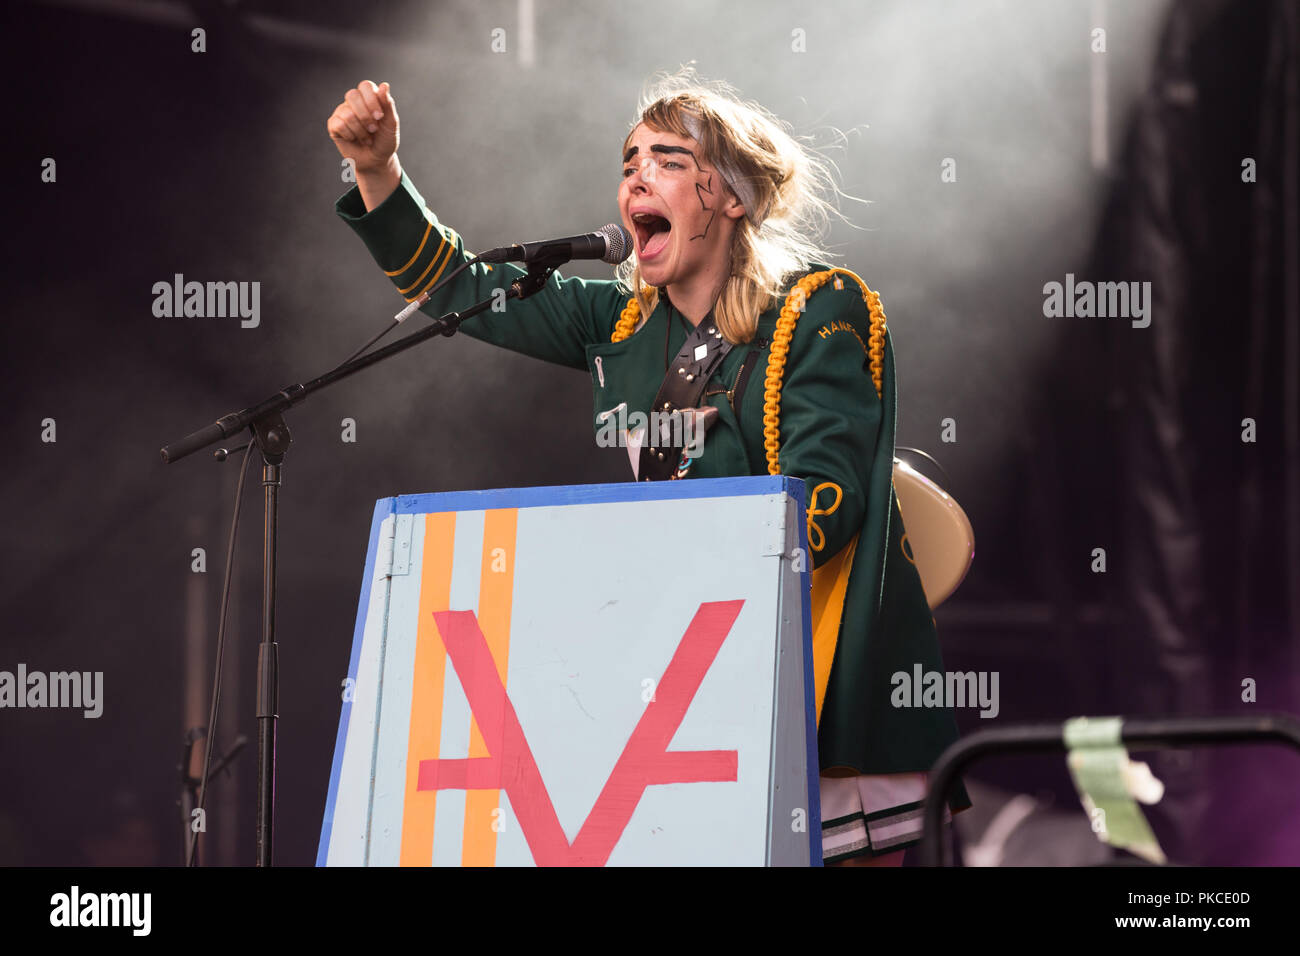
(1072, 433)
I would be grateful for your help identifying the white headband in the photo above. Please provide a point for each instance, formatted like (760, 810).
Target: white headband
(739, 184)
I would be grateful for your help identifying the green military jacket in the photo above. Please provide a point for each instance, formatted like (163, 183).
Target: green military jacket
(833, 428)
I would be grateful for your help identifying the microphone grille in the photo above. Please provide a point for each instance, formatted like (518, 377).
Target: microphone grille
(618, 243)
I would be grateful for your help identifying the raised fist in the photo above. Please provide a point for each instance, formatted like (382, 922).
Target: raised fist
(364, 126)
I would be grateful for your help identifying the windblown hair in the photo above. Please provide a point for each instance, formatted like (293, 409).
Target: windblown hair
(788, 178)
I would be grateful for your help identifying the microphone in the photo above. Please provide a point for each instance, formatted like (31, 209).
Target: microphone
(611, 243)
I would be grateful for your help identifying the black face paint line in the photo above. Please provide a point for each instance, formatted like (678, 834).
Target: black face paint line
(701, 190)
(661, 148)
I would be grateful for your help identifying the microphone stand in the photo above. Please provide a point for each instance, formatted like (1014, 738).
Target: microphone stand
(271, 434)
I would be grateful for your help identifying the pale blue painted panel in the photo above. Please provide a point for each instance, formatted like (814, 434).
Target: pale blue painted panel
(383, 508)
(349, 840)
(395, 714)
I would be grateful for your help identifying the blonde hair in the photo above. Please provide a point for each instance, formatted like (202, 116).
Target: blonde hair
(788, 179)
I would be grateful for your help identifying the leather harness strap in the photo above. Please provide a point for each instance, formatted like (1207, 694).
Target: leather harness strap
(683, 386)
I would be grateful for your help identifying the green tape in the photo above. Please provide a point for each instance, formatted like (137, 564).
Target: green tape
(1093, 732)
(1105, 778)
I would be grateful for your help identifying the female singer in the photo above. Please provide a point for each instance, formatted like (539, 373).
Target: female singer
(778, 363)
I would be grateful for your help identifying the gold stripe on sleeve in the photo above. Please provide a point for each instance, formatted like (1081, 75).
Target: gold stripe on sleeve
(437, 275)
(432, 260)
(428, 227)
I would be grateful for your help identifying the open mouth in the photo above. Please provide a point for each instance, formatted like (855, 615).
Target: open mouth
(651, 234)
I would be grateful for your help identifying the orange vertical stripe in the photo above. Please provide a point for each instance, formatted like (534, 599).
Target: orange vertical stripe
(496, 590)
(830, 586)
(426, 688)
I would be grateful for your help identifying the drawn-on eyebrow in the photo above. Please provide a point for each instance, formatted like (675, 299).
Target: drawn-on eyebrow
(657, 148)
(660, 148)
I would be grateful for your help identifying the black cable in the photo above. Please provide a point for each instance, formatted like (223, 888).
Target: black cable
(192, 856)
(394, 324)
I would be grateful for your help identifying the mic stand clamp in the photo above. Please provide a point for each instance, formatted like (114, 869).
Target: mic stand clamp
(539, 271)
